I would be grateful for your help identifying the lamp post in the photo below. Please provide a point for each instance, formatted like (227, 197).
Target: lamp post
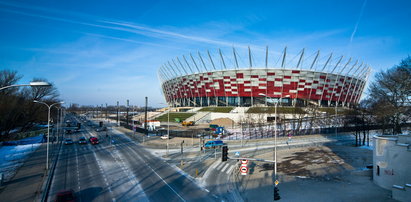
(275, 135)
(32, 84)
(168, 125)
(48, 128)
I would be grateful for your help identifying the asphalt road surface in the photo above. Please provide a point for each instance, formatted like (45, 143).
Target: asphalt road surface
(119, 170)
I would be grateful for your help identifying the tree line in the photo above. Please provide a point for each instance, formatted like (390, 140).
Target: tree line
(18, 112)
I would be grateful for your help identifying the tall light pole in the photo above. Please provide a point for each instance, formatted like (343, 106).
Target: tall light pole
(48, 128)
(168, 125)
(275, 135)
(32, 84)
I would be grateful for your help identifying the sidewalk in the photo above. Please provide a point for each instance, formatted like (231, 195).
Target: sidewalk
(27, 182)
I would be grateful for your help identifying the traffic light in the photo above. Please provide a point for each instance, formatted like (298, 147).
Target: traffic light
(276, 194)
(225, 153)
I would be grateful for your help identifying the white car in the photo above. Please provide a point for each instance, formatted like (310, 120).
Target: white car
(164, 137)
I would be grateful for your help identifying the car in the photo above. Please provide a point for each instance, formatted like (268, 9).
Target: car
(164, 137)
(93, 140)
(213, 144)
(82, 140)
(65, 196)
(68, 141)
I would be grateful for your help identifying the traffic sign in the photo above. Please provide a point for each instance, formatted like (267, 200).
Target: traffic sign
(237, 153)
(243, 170)
(276, 182)
(244, 161)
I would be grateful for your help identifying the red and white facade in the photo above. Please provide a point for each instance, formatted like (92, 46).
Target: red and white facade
(261, 86)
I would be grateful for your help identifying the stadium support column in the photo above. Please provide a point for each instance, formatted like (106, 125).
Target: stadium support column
(298, 77)
(251, 77)
(336, 83)
(350, 84)
(326, 77)
(225, 68)
(343, 85)
(311, 67)
(205, 67)
(282, 79)
(236, 79)
(212, 80)
(266, 73)
(357, 78)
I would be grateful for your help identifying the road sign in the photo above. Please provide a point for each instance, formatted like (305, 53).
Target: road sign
(237, 153)
(244, 161)
(243, 170)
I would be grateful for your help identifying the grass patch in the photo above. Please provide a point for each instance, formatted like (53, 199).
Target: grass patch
(331, 110)
(22, 135)
(280, 110)
(173, 115)
(217, 109)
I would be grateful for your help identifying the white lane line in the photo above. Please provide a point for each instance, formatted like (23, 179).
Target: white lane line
(78, 173)
(225, 167)
(230, 169)
(165, 182)
(138, 155)
(215, 165)
(220, 166)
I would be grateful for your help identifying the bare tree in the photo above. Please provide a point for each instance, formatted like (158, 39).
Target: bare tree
(390, 96)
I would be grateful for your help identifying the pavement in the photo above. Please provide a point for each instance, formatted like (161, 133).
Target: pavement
(27, 183)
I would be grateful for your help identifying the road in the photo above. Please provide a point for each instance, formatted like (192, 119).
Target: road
(120, 171)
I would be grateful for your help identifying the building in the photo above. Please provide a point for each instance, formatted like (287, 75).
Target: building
(392, 165)
(199, 81)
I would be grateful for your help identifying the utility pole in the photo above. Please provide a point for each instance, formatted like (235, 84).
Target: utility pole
(118, 118)
(127, 114)
(145, 118)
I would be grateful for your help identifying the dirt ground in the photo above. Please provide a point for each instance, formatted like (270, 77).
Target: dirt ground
(325, 173)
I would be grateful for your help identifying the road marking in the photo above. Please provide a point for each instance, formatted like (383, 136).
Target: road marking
(220, 166)
(230, 169)
(225, 167)
(214, 165)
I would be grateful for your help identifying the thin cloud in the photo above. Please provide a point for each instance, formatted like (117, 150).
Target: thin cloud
(358, 22)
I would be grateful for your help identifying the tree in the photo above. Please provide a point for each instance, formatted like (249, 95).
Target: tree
(17, 110)
(390, 96)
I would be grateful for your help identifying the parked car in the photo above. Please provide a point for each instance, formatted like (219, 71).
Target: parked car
(65, 196)
(82, 140)
(164, 137)
(213, 144)
(68, 141)
(93, 140)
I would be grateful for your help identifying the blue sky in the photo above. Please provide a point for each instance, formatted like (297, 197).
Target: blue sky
(98, 52)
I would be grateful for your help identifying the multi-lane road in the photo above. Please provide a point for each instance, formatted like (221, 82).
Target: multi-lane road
(120, 170)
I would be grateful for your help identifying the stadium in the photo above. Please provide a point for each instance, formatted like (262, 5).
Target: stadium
(262, 79)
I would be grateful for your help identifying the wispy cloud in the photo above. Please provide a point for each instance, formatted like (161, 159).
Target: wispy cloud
(358, 22)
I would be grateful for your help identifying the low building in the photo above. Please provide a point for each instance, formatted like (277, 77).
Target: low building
(392, 165)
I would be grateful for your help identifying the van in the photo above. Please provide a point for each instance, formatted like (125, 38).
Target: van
(213, 144)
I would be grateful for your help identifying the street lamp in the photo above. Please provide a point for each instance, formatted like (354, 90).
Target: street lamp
(275, 135)
(168, 125)
(32, 84)
(48, 128)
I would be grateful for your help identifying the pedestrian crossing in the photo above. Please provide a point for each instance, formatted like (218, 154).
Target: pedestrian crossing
(83, 148)
(223, 167)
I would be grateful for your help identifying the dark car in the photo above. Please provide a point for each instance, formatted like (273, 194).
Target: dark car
(65, 196)
(82, 140)
(93, 140)
(68, 141)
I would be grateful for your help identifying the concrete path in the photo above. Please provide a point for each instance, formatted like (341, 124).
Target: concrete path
(26, 184)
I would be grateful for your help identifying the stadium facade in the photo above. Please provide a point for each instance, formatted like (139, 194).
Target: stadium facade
(206, 80)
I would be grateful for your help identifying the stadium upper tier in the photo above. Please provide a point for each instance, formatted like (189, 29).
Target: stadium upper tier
(325, 83)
